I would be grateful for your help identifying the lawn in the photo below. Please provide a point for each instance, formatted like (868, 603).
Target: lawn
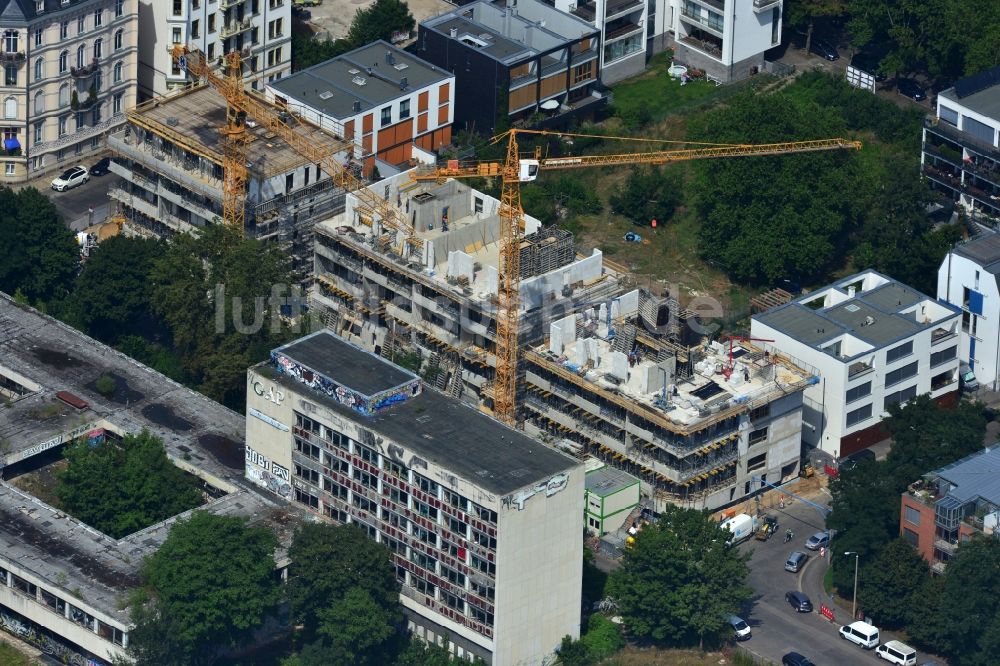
(11, 657)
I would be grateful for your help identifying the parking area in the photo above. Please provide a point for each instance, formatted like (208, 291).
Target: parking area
(75, 205)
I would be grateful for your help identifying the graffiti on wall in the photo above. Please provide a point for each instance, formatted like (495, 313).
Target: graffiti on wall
(393, 396)
(550, 488)
(267, 474)
(33, 634)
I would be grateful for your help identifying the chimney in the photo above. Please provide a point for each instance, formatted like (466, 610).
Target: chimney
(850, 292)
(454, 33)
(404, 83)
(357, 106)
(389, 59)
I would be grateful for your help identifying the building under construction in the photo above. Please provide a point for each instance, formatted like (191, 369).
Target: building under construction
(170, 157)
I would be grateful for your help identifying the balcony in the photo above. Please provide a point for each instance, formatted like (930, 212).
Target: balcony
(939, 335)
(942, 176)
(226, 4)
(717, 5)
(12, 57)
(857, 369)
(235, 28)
(617, 7)
(620, 31)
(85, 71)
(952, 133)
(586, 10)
(702, 45)
(713, 27)
(764, 5)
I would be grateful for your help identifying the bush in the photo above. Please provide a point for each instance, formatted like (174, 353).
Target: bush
(603, 638)
(106, 385)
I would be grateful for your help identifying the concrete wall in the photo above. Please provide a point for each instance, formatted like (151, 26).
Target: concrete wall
(956, 274)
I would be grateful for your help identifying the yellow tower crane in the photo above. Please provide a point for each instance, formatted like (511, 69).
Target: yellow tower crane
(241, 105)
(515, 170)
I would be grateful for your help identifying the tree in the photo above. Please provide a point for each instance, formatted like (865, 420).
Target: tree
(38, 253)
(421, 653)
(329, 561)
(803, 14)
(112, 295)
(679, 580)
(212, 584)
(308, 51)
(889, 587)
(650, 193)
(358, 629)
(379, 21)
(120, 488)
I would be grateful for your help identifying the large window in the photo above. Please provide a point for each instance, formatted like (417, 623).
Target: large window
(758, 436)
(858, 415)
(948, 115)
(981, 131)
(912, 516)
(911, 537)
(386, 116)
(899, 352)
(39, 69)
(63, 61)
(858, 392)
(119, 39)
(899, 396)
(10, 41)
(902, 374)
(943, 356)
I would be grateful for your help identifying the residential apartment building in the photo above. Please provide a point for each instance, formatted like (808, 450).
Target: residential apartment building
(170, 158)
(699, 426)
(260, 30)
(69, 69)
(950, 505)
(968, 279)
(623, 25)
(725, 38)
(524, 63)
(483, 523)
(960, 156)
(873, 342)
(380, 97)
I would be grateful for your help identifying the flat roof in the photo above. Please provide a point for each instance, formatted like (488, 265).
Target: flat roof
(974, 476)
(870, 323)
(200, 434)
(608, 480)
(348, 365)
(372, 75)
(984, 250)
(463, 440)
(978, 92)
(192, 119)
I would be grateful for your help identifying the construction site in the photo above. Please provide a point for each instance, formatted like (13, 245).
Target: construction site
(171, 156)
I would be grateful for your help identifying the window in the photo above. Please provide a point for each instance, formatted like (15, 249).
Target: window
(116, 105)
(911, 537)
(899, 352)
(39, 6)
(80, 26)
(761, 412)
(484, 514)
(478, 205)
(10, 75)
(480, 615)
(117, 72)
(64, 30)
(858, 415)
(425, 510)
(483, 565)
(10, 41)
(63, 62)
(758, 436)
(38, 132)
(211, 26)
(899, 396)
(194, 29)
(178, 7)
(400, 497)
(307, 449)
(274, 28)
(858, 392)
(10, 108)
(457, 526)
(404, 109)
(310, 476)
(369, 455)
(38, 36)
(176, 36)
(98, 17)
(24, 586)
(425, 535)
(977, 129)
(54, 602)
(305, 498)
(81, 55)
(83, 618)
(902, 374)
(455, 500)
(63, 95)
(9, 169)
(39, 69)
(386, 116)
(365, 479)
(912, 515)
(943, 356)
(455, 577)
(62, 125)
(757, 462)
(119, 8)
(3, 576)
(484, 540)
(427, 485)
(583, 72)
(95, 115)
(98, 48)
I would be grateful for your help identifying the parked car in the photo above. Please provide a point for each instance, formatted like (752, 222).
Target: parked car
(853, 460)
(823, 49)
(799, 601)
(795, 561)
(818, 540)
(862, 633)
(70, 178)
(967, 378)
(897, 653)
(102, 168)
(910, 88)
(740, 628)
(795, 659)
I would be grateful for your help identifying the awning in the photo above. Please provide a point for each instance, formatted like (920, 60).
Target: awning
(11, 144)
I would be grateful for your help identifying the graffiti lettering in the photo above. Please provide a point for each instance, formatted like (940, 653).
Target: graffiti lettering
(269, 393)
(256, 459)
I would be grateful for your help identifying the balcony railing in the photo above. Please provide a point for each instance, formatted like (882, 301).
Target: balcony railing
(702, 45)
(587, 11)
(226, 4)
(616, 7)
(12, 57)
(621, 31)
(85, 71)
(949, 131)
(704, 21)
(235, 28)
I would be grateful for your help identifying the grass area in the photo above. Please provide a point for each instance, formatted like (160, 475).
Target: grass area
(634, 656)
(11, 657)
(828, 581)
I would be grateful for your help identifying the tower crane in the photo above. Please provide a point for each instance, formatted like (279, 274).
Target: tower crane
(241, 105)
(516, 169)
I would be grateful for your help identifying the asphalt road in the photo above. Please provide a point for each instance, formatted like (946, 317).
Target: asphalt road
(73, 204)
(777, 628)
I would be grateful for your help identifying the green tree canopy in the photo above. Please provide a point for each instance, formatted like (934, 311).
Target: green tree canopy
(329, 561)
(308, 50)
(112, 294)
(212, 583)
(650, 193)
(38, 253)
(122, 487)
(379, 21)
(802, 14)
(890, 586)
(927, 436)
(358, 630)
(679, 580)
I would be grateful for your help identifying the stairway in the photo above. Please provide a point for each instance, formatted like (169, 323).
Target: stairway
(455, 390)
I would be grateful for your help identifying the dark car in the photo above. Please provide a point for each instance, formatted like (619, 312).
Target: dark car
(855, 459)
(795, 659)
(799, 601)
(102, 168)
(823, 49)
(910, 88)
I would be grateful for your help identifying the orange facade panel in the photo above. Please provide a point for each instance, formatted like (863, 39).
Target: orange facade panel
(422, 122)
(443, 93)
(368, 123)
(349, 129)
(422, 101)
(443, 115)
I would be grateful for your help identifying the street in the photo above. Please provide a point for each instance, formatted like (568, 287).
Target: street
(73, 204)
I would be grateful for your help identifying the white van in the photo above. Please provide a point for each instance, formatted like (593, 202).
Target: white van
(897, 653)
(861, 633)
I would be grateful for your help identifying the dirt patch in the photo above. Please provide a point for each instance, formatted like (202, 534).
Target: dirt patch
(634, 656)
(123, 395)
(56, 359)
(227, 451)
(163, 415)
(333, 19)
(42, 483)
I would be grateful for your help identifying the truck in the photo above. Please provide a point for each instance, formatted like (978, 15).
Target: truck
(742, 526)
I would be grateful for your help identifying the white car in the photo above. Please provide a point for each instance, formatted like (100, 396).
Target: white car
(70, 178)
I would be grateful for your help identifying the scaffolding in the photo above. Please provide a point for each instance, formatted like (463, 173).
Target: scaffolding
(546, 250)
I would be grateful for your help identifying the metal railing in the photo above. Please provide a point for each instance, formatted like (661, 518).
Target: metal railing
(235, 27)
